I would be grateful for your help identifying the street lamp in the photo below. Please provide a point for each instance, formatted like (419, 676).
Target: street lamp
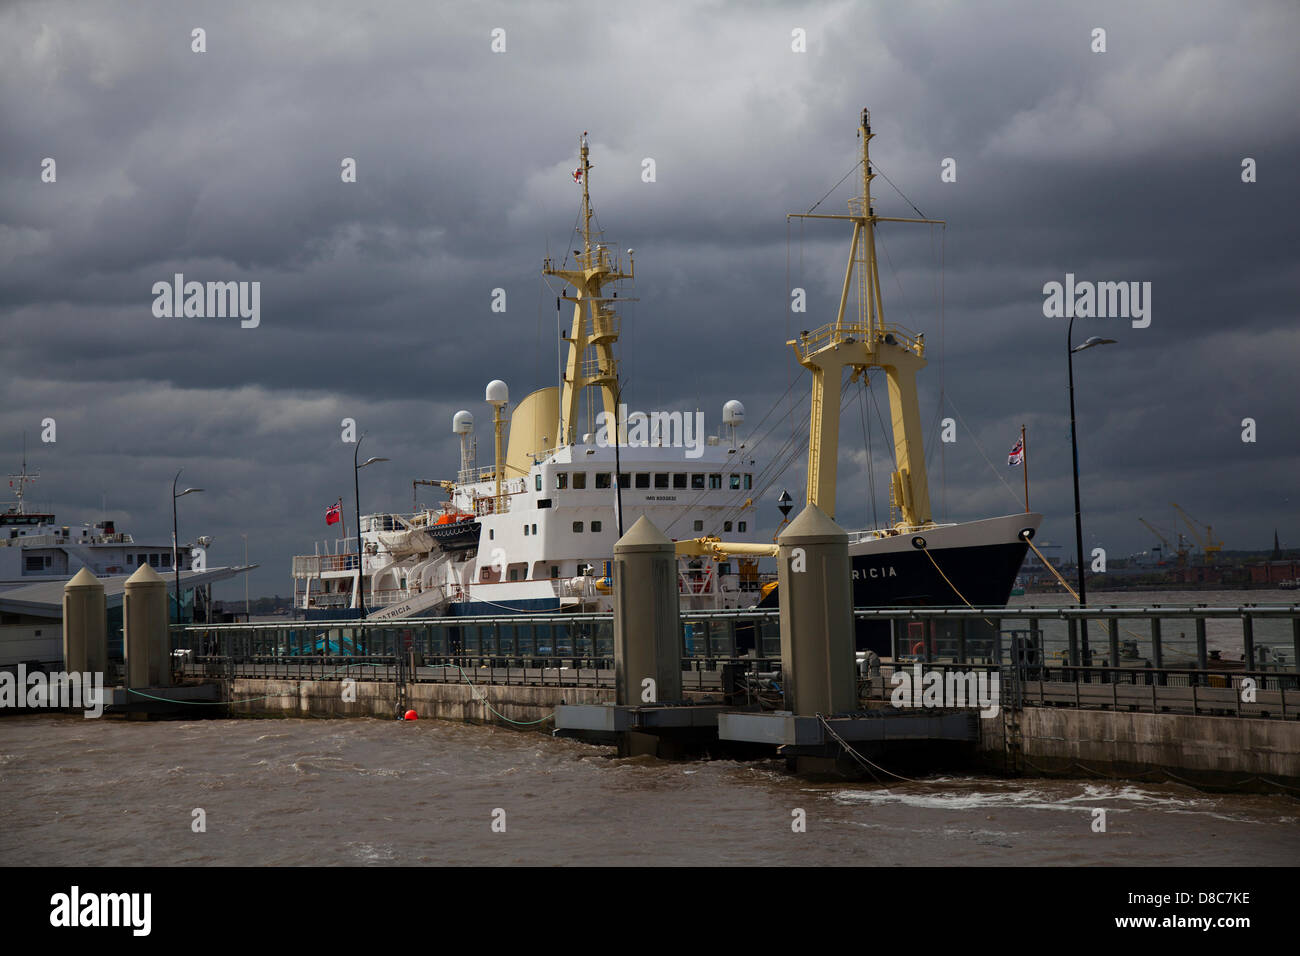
(356, 487)
(1071, 348)
(244, 535)
(176, 560)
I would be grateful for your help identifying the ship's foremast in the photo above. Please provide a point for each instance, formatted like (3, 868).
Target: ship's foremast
(867, 343)
(594, 329)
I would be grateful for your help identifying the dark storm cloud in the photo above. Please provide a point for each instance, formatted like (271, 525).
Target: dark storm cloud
(375, 296)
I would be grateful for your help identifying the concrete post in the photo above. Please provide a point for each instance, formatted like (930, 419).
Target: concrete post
(1112, 630)
(144, 630)
(817, 657)
(1157, 649)
(85, 624)
(647, 622)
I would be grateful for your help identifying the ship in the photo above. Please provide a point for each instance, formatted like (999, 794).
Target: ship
(535, 531)
(572, 469)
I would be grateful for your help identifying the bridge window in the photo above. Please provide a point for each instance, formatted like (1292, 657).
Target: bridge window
(643, 479)
(624, 480)
(734, 482)
(538, 480)
(699, 525)
(595, 526)
(661, 479)
(749, 482)
(726, 526)
(525, 531)
(741, 527)
(679, 480)
(561, 480)
(579, 480)
(602, 479)
(697, 482)
(715, 482)
(577, 527)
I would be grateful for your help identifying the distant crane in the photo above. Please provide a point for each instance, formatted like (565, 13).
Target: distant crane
(1180, 553)
(1206, 541)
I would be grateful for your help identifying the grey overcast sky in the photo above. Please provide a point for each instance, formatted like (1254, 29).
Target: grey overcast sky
(1123, 165)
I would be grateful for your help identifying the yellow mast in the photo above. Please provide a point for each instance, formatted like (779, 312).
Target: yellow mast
(595, 325)
(866, 343)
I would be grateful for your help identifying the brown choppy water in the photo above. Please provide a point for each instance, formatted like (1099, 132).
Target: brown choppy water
(356, 792)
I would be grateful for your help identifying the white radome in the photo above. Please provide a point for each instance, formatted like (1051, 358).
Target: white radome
(497, 392)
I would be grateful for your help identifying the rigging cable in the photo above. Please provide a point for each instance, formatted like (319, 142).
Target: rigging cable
(837, 186)
(978, 448)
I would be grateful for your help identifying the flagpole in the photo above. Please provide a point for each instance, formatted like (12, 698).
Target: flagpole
(1024, 451)
(343, 519)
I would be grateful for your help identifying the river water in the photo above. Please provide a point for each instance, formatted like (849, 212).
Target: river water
(364, 791)
(359, 791)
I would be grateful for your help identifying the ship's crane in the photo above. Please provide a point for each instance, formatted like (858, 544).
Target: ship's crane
(1206, 541)
(1180, 552)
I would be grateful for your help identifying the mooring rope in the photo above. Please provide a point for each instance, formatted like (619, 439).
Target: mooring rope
(926, 552)
(867, 764)
(245, 700)
(1047, 564)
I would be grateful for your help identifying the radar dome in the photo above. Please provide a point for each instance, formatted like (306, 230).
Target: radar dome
(497, 392)
(462, 423)
(733, 413)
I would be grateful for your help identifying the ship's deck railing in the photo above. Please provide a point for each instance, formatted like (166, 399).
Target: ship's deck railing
(822, 336)
(311, 565)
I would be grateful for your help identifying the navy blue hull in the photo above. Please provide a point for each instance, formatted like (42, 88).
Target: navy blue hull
(489, 608)
(982, 576)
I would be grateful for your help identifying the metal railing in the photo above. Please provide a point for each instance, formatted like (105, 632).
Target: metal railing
(1157, 690)
(311, 565)
(1116, 657)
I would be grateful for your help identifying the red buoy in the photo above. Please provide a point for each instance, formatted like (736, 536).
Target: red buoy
(411, 715)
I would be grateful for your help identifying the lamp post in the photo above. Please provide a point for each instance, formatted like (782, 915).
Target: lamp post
(176, 560)
(244, 535)
(356, 488)
(1071, 348)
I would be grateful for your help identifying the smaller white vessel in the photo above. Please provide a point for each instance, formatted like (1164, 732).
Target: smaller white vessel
(35, 548)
